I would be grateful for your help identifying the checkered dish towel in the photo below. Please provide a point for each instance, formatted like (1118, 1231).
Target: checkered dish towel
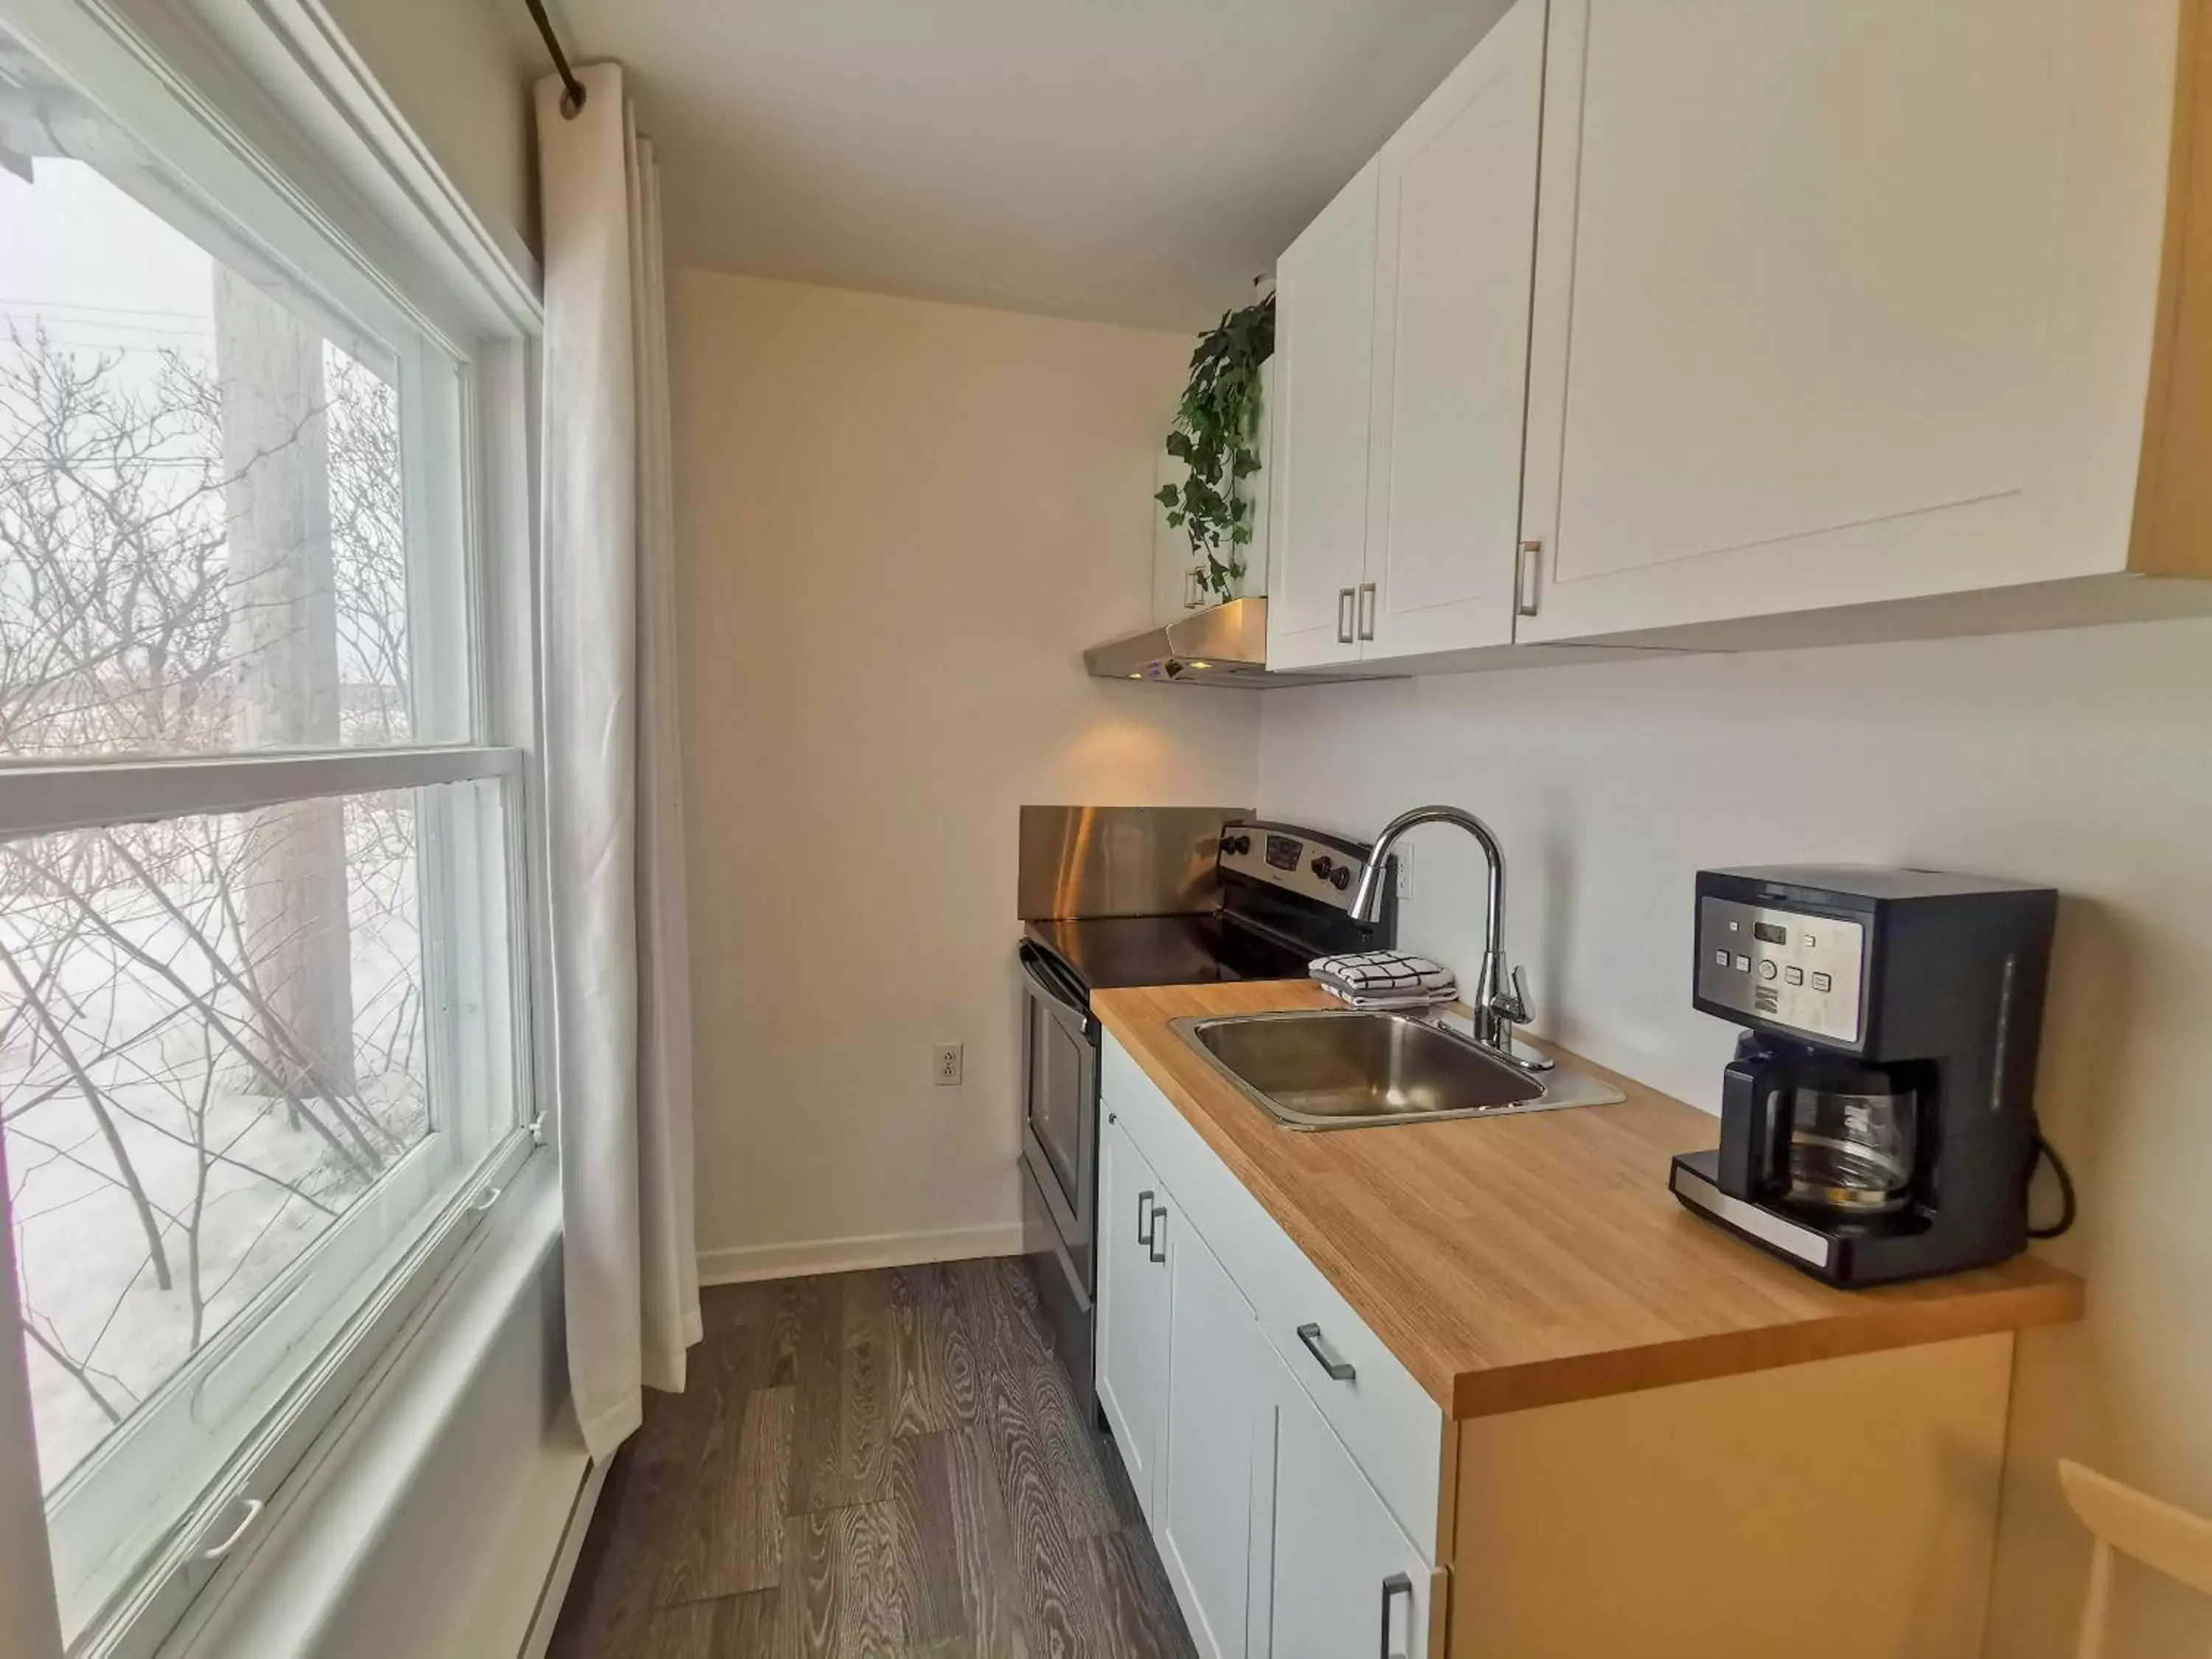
(1384, 979)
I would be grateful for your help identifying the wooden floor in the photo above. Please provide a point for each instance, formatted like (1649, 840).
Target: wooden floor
(878, 1463)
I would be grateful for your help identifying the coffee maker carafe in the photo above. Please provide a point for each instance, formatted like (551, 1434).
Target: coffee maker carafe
(1825, 1135)
(1877, 1121)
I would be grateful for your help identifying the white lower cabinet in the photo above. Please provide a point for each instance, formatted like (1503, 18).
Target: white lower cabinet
(1331, 1576)
(1133, 1310)
(1274, 1534)
(1203, 1525)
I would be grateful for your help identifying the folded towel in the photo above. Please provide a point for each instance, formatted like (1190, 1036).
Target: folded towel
(1384, 979)
(1387, 1005)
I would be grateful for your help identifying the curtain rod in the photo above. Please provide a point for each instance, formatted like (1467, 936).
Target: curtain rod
(572, 99)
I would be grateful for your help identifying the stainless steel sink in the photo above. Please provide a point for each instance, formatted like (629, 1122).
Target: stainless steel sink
(1344, 1068)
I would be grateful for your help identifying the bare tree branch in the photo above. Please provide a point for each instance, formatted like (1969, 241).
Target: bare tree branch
(98, 1106)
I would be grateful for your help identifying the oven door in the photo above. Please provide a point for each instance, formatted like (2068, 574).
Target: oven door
(1060, 1100)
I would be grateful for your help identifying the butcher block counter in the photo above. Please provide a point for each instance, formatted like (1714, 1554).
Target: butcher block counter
(1538, 1258)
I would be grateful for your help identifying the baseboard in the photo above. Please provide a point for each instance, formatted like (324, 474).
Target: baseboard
(555, 1591)
(744, 1263)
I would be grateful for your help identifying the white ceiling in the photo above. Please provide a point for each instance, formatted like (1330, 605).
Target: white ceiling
(1130, 161)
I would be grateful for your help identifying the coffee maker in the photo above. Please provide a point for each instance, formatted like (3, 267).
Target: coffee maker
(1878, 1121)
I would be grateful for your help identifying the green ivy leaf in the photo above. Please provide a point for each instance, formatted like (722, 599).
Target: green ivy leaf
(1215, 423)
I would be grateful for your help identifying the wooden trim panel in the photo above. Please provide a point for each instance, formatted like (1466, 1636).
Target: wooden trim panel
(1827, 1511)
(1528, 1261)
(2173, 495)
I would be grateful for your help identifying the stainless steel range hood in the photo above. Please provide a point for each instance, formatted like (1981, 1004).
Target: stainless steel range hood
(1226, 646)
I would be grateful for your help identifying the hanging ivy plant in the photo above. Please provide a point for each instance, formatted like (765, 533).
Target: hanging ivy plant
(1216, 435)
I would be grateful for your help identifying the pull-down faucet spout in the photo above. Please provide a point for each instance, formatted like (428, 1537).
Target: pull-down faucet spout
(1501, 995)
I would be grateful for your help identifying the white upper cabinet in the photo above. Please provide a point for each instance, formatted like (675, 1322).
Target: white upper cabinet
(1324, 361)
(1402, 350)
(1840, 303)
(1731, 323)
(1457, 235)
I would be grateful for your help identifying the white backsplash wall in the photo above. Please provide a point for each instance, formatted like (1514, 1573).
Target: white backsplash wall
(898, 525)
(2082, 759)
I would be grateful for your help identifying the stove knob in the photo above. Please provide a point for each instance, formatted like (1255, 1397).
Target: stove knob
(1322, 864)
(1342, 878)
(1237, 845)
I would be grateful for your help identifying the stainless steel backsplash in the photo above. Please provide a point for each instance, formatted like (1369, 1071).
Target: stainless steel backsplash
(1120, 861)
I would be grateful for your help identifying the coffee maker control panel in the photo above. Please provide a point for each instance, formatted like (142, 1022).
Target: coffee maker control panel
(1784, 967)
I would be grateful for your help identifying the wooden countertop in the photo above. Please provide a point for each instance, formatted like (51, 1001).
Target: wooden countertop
(1525, 1260)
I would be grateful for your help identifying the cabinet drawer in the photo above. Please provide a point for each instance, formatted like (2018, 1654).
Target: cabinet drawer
(1386, 1420)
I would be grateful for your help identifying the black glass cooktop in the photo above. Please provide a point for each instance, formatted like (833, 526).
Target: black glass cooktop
(1107, 951)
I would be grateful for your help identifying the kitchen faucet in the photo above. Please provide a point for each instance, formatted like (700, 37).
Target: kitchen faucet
(1501, 999)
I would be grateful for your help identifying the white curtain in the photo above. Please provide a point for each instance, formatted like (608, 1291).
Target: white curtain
(622, 991)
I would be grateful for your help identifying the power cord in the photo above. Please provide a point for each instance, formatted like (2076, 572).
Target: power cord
(2045, 1152)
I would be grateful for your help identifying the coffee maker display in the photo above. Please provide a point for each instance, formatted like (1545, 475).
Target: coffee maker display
(1878, 1121)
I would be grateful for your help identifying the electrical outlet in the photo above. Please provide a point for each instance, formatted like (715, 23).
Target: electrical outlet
(1405, 857)
(946, 1070)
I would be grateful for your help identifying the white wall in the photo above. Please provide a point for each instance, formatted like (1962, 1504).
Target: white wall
(898, 524)
(2082, 759)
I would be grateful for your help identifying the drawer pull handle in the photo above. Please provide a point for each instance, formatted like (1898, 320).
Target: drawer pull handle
(1144, 1214)
(1339, 1369)
(1395, 1585)
(1159, 1239)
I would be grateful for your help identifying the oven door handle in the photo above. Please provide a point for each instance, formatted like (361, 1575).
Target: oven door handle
(1050, 982)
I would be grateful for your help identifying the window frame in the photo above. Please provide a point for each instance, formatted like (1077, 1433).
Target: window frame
(262, 102)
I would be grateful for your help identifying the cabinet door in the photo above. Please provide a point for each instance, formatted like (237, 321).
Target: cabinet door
(1324, 357)
(1133, 1310)
(1457, 221)
(1333, 1577)
(1839, 303)
(1204, 1520)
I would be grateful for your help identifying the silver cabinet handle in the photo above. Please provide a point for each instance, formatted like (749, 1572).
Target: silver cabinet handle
(1159, 1239)
(1345, 607)
(1395, 1585)
(1146, 1218)
(216, 1551)
(1339, 1371)
(1367, 611)
(1527, 591)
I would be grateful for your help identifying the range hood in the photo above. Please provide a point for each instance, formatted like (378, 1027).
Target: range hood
(1226, 645)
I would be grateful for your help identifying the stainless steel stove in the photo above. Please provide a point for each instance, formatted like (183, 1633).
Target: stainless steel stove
(1113, 897)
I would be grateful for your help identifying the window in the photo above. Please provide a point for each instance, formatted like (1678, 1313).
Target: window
(262, 940)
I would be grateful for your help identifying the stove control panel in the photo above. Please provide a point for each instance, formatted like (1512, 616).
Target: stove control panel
(1319, 868)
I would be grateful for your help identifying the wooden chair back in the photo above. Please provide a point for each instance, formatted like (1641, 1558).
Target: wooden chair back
(2148, 1529)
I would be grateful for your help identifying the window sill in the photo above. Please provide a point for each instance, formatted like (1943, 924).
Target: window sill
(328, 1527)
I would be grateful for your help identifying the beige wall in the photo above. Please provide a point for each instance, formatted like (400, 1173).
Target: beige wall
(2083, 759)
(898, 524)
